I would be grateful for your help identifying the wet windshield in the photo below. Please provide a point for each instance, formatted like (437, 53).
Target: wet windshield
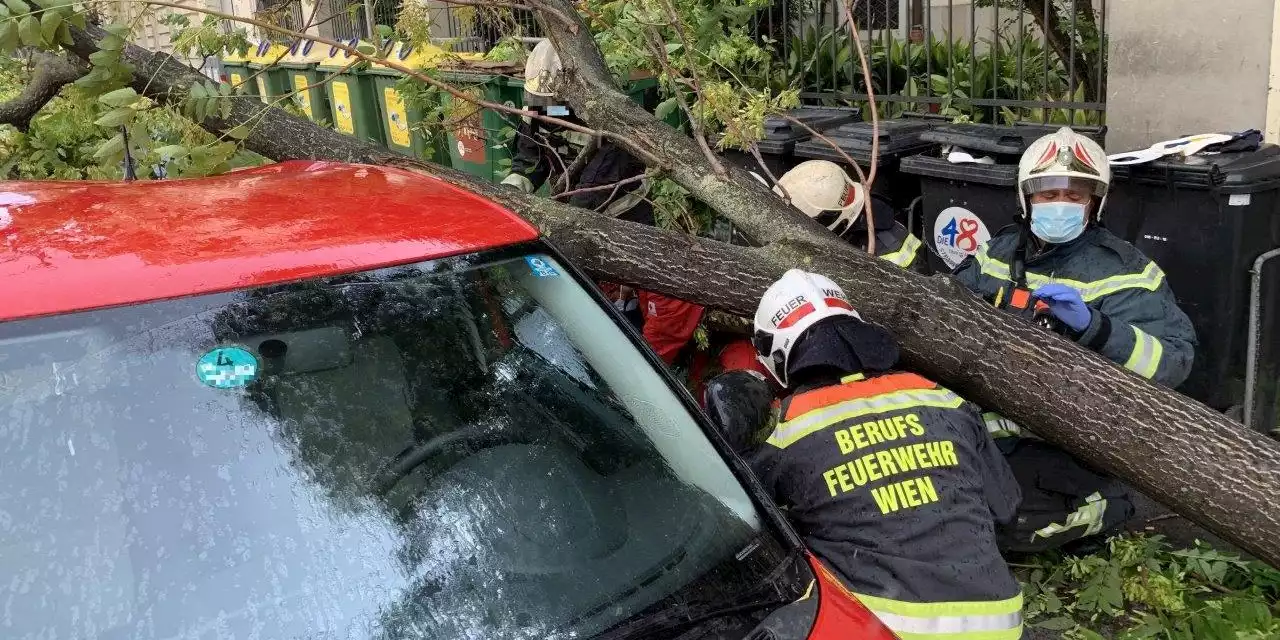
(454, 449)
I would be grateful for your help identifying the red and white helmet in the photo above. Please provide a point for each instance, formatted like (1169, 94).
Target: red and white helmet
(1061, 160)
(790, 306)
(825, 192)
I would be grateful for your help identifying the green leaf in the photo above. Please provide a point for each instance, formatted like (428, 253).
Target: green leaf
(1060, 623)
(172, 151)
(367, 49)
(49, 23)
(116, 117)
(29, 32)
(384, 31)
(666, 108)
(64, 34)
(104, 58)
(4, 10)
(78, 20)
(196, 91)
(119, 98)
(239, 132)
(110, 147)
(226, 107)
(8, 36)
(118, 29)
(18, 7)
(111, 43)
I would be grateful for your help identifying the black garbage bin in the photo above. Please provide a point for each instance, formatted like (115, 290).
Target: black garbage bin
(1205, 220)
(777, 147)
(899, 139)
(964, 204)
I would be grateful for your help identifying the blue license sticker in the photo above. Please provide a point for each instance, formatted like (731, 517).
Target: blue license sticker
(227, 368)
(541, 267)
(558, 110)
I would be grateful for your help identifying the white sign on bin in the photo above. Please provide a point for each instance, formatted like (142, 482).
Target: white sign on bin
(957, 234)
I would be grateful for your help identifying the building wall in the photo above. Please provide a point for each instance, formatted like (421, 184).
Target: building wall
(1180, 67)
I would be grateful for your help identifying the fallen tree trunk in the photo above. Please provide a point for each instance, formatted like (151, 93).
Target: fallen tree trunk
(1194, 459)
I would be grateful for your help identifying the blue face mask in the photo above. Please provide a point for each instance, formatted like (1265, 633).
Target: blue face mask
(1057, 222)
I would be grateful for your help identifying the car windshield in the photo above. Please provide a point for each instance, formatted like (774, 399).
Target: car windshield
(462, 448)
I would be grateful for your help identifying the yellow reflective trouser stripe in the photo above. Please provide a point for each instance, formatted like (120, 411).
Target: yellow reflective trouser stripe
(1149, 278)
(998, 620)
(1147, 351)
(906, 254)
(853, 377)
(790, 432)
(999, 426)
(1088, 516)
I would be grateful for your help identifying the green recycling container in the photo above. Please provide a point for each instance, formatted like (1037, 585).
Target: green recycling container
(268, 76)
(302, 80)
(353, 107)
(400, 122)
(473, 136)
(474, 142)
(235, 72)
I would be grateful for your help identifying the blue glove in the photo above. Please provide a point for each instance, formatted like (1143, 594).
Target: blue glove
(1066, 305)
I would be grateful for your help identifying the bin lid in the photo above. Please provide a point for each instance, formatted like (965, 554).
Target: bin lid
(306, 52)
(267, 52)
(781, 135)
(1248, 172)
(1010, 140)
(335, 58)
(1000, 175)
(415, 57)
(898, 138)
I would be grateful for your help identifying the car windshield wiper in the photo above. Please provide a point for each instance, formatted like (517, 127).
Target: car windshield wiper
(683, 616)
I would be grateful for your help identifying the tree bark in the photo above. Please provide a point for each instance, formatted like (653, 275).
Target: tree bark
(51, 73)
(1194, 459)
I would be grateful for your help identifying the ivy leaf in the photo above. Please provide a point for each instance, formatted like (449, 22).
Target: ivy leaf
(116, 117)
(110, 147)
(119, 98)
(49, 23)
(18, 7)
(29, 32)
(240, 132)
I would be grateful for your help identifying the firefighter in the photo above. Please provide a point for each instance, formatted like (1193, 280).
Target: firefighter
(823, 191)
(1102, 292)
(1059, 267)
(541, 152)
(892, 480)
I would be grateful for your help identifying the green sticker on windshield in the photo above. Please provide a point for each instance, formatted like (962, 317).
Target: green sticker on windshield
(227, 368)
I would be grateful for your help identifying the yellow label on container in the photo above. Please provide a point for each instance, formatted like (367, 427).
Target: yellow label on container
(262, 91)
(303, 94)
(397, 118)
(342, 108)
(236, 80)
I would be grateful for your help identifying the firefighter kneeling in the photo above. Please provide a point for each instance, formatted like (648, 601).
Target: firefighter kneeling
(892, 480)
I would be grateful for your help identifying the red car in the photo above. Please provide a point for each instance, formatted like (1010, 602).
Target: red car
(315, 400)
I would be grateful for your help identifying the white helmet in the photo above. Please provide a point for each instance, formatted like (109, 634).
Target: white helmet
(542, 72)
(790, 306)
(1060, 159)
(824, 192)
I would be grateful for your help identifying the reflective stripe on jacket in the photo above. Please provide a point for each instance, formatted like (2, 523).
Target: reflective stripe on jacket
(895, 484)
(1136, 320)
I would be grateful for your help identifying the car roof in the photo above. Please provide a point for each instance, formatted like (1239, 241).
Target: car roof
(70, 246)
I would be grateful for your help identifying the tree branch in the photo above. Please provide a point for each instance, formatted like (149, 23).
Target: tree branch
(52, 72)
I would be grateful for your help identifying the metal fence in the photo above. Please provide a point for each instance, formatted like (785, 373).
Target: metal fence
(990, 60)
(462, 29)
(282, 13)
